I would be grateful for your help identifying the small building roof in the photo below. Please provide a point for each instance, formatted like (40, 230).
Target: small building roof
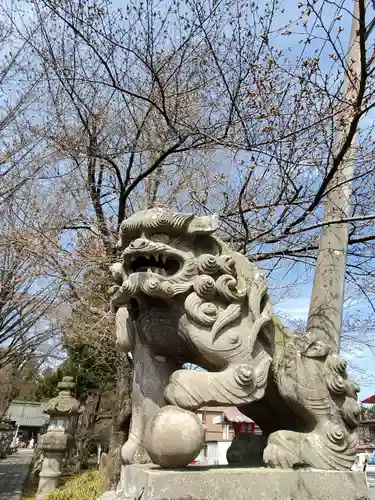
(370, 400)
(27, 413)
(233, 414)
(229, 413)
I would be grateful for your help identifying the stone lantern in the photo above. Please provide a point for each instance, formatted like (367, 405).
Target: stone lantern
(7, 430)
(55, 443)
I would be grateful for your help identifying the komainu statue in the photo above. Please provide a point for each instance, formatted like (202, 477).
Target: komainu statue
(184, 296)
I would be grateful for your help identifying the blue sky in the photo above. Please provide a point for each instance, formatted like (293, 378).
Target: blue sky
(290, 299)
(361, 361)
(295, 301)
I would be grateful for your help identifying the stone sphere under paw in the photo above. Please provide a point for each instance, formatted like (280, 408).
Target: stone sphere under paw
(174, 438)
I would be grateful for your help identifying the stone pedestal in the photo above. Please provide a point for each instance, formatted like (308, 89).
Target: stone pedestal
(150, 482)
(54, 445)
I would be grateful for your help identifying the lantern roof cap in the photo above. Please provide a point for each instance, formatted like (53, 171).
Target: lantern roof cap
(64, 404)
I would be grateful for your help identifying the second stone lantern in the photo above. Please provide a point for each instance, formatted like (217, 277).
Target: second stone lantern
(56, 441)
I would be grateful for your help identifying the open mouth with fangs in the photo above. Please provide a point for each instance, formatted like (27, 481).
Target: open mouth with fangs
(157, 263)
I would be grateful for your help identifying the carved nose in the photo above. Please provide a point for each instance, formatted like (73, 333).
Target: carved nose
(138, 244)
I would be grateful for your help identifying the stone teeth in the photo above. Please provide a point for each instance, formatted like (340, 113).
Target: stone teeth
(148, 257)
(149, 270)
(163, 258)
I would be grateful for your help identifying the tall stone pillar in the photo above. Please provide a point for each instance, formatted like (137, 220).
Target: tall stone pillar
(56, 441)
(327, 298)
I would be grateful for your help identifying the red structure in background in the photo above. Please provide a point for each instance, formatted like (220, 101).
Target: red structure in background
(240, 422)
(243, 428)
(370, 400)
(367, 431)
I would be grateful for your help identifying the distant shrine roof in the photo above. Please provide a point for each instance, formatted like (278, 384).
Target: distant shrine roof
(27, 413)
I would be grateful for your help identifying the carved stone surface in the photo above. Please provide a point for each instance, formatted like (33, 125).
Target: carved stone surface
(64, 403)
(56, 440)
(222, 483)
(7, 433)
(174, 437)
(6, 439)
(183, 296)
(49, 476)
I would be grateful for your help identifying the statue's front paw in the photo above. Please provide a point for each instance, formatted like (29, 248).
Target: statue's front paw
(134, 452)
(182, 391)
(276, 456)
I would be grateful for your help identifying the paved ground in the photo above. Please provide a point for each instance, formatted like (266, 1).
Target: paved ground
(371, 482)
(13, 474)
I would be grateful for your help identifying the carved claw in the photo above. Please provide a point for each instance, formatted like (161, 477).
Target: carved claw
(276, 456)
(283, 449)
(333, 449)
(183, 392)
(133, 451)
(238, 384)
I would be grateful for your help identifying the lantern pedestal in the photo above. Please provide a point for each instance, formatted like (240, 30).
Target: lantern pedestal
(54, 445)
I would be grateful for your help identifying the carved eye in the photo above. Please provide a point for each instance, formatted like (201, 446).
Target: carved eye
(178, 241)
(206, 244)
(160, 238)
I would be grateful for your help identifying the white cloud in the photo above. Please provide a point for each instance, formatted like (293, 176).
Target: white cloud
(297, 308)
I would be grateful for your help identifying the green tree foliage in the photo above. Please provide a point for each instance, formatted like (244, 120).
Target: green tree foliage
(371, 412)
(90, 370)
(82, 364)
(368, 412)
(47, 384)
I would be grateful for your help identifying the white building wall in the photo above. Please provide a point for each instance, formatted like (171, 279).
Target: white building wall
(216, 453)
(223, 447)
(212, 453)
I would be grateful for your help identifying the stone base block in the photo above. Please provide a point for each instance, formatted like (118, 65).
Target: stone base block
(150, 482)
